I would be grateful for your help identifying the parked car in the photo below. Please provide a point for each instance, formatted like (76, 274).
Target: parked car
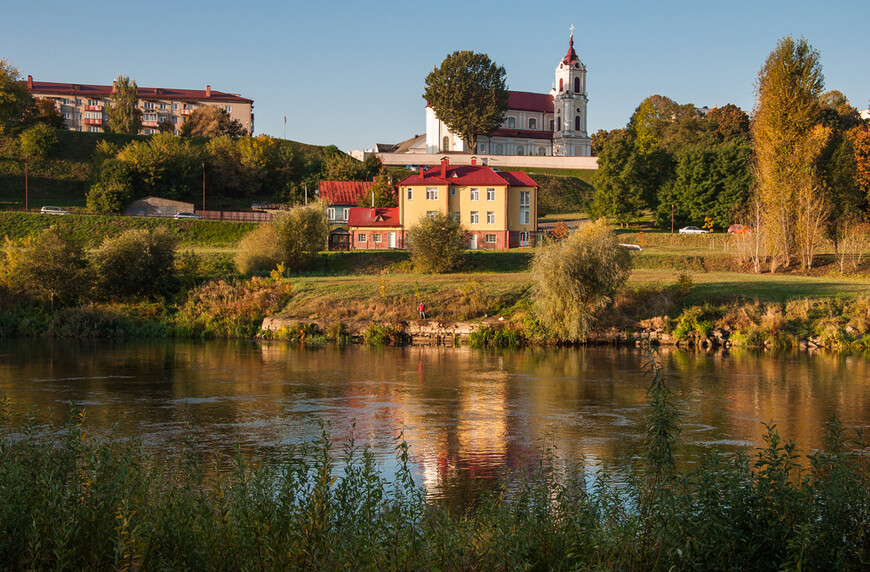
(693, 230)
(53, 210)
(185, 215)
(738, 229)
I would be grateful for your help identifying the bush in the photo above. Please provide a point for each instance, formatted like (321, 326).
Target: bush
(108, 197)
(51, 266)
(576, 277)
(436, 243)
(259, 251)
(139, 262)
(301, 233)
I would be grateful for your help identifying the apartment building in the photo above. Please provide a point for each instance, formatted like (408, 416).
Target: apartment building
(84, 106)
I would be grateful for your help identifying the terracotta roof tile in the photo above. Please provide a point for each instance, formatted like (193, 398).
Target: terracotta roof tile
(365, 216)
(343, 192)
(82, 90)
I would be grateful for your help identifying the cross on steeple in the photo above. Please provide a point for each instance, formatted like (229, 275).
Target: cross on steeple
(572, 31)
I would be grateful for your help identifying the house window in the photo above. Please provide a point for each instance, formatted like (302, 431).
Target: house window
(452, 191)
(228, 108)
(454, 215)
(361, 237)
(162, 105)
(66, 101)
(149, 105)
(475, 217)
(431, 193)
(150, 117)
(174, 119)
(410, 193)
(147, 131)
(175, 106)
(512, 122)
(330, 213)
(431, 214)
(78, 101)
(376, 237)
(93, 129)
(525, 203)
(490, 217)
(475, 194)
(524, 239)
(499, 149)
(490, 239)
(67, 114)
(93, 102)
(345, 214)
(490, 194)
(533, 124)
(93, 114)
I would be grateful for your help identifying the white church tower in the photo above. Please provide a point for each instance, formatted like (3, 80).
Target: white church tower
(570, 138)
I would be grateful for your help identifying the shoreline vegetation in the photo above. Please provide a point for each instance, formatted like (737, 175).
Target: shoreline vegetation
(686, 290)
(75, 501)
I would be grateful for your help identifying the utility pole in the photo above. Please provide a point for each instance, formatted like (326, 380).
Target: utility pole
(672, 218)
(25, 187)
(203, 187)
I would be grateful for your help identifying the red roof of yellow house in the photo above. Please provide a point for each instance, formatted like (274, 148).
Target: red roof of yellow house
(344, 192)
(446, 174)
(366, 216)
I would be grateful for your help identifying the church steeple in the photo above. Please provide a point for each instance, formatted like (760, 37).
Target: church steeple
(571, 56)
(570, 138)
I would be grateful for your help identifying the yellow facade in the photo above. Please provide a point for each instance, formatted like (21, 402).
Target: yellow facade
(480, 208)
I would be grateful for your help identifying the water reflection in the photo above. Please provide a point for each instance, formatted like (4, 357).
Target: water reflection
(467, 414)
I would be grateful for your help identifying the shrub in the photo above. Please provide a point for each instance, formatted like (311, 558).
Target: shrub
(139, 262)
(576, 277)
(436, 243)
(51, 266)
(108, 197)
(259, 251)
(301, 234)
(382, 335)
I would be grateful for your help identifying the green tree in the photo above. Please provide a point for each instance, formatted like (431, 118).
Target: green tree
(576, 277)
(468, 93)
(729, 121)
(163, 165)
(860, 138)
(302, 232)
(437, 243)
(651, 118)
(786, 148)
(212, 121)
(339, 166)
(50, 266)
(14, 97)
(33, 146)
(259, 250)
(43, 110)
(124, 115)
(138, 262)
(383, 191)
(620, 182)
(837, 112)
(109, 197)
(839, 182)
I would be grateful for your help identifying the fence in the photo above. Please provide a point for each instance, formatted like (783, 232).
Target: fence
(235, 216)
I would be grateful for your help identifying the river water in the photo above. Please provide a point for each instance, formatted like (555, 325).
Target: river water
(467, 414)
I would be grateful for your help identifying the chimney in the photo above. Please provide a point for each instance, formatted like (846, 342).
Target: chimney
(444, 162)
(474, 161)
(114, 86)
(208, 91)
(29, 82)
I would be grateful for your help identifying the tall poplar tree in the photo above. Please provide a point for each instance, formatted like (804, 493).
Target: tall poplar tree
(124, 113)
(787, 142)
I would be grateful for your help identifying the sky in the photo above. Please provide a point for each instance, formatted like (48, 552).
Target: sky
(352, 73)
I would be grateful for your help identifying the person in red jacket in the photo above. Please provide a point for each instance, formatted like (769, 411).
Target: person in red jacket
(421, 307)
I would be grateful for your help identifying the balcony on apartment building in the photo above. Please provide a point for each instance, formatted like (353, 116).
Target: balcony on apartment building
(186, 111)
(150, 124)
(93, 108)
(91, 121)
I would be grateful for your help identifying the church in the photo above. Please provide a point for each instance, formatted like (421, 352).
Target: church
(543, 124)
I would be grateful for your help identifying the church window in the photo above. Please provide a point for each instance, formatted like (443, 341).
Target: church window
(512, 122)
(576, 85)
(561, 84)
(552, 125)
(533, 123)
(558, 123)
(542, 151)
(521, 150)
(481, 148)
(499, 149)
(431, 193)
(577, 123)
(445, 143)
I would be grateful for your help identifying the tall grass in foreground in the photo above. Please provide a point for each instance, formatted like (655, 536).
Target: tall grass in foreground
(71, 501)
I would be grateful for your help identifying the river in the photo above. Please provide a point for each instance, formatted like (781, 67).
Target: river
(467, 414)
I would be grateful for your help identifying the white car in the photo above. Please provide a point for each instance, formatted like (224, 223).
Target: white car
(693, 230)
(185, 215)
(53, 210)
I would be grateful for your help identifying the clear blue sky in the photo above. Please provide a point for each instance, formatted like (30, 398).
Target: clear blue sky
(351, 73)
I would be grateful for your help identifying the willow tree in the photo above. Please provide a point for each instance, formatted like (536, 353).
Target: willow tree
(787, 142)
(124, 113)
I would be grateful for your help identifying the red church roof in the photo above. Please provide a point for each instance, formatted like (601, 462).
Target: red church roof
(95, 91)
(528, 101)
(571, 56)
(366, 216)
(344, 192)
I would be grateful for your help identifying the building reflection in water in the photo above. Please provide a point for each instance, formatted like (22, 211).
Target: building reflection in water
(468, 415)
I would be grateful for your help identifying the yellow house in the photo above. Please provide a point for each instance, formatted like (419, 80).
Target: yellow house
(497, 209)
